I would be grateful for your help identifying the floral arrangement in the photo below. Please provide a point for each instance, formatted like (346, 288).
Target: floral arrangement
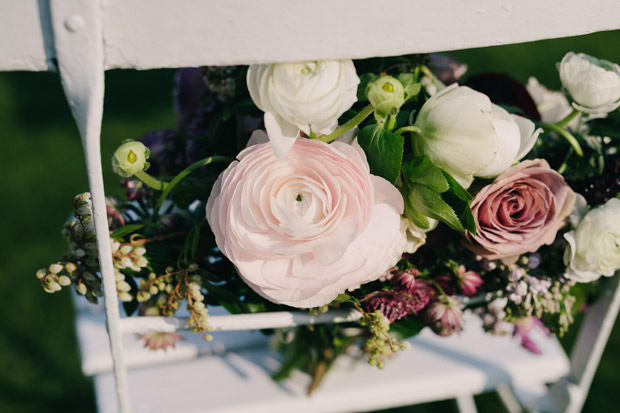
(397, 192)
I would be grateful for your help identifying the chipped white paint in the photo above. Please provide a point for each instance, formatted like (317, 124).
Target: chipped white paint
(86, 37)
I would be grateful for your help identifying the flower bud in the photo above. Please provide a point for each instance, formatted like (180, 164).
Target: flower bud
(70, 267)
(594, 84)
(386, 94)
(81, 288)
(55, 268)
(64, 280)
(41, 273)
(130, 158)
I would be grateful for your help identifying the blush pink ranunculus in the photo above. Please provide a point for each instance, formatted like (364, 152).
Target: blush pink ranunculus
(520, 211)
(308, 226)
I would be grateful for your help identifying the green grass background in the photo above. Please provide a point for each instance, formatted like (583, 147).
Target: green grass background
(42, 168)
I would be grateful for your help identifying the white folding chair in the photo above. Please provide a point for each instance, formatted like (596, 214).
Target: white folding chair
(83, 38)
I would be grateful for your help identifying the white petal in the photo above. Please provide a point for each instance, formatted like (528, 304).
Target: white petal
(281, 134)
(529, 136)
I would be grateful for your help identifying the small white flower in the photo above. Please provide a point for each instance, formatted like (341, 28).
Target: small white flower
(64, 280)
(306, 96)
(593, 84)
(594, 246)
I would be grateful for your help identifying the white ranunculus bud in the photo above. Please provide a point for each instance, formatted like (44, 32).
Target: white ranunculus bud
(307, 96)
(130, 158)
(386, 95)
(464, 133)
(594, 246)
(593, 84)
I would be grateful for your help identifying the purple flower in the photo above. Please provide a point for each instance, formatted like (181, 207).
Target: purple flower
(447, 69)
(190, 91)
(445, 316)
(447, 284)
(523, 328)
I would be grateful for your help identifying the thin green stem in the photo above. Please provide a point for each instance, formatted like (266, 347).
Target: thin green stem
(186, 172)
(412, 129)
(568, 118)
(359, 118)
(391, 122)
(552, 127)
(151, 181)
(564, 165)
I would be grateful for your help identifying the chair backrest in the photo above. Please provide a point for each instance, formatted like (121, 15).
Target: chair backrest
(83, 38)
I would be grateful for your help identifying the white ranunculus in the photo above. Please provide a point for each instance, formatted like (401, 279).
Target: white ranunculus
(594, 84)
(594, 246)
(552, 105)
(307, 96)
(464, 133)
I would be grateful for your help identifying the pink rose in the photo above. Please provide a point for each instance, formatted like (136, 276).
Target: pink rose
(520, 211)
(308, 226)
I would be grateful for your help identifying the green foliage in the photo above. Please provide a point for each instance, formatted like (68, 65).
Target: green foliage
(431, 192)
(384, 151)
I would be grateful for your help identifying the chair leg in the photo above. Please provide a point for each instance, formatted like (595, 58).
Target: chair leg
(466, 404)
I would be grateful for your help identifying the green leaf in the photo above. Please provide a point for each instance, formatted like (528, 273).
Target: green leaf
(384, 151)
(406, 328)
(412, 91)
(127, 229)
(414, 216)
(420, 170)
(431, 204)
(456, 188)
(365, 79)
(462, 210)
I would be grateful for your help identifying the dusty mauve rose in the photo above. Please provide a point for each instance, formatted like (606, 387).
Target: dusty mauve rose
(305, 227)
(520, 211)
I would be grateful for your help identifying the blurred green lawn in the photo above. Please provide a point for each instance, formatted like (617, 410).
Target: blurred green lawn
(42, 168)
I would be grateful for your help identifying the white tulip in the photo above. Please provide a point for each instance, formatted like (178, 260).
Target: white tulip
(594, 246)
(594, 84)
(308, 96)
(464, 133)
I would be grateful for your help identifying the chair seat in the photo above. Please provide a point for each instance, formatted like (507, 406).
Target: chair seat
(232, 373)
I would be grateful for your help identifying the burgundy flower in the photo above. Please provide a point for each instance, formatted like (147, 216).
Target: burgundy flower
(520, 211)
(394, 305)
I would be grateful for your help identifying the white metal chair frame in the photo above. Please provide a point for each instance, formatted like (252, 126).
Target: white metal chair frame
(83, 38)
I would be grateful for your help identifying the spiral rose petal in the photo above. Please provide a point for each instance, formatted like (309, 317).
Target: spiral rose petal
(520, 211)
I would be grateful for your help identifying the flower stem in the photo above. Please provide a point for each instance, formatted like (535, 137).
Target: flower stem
(552, 127)
(359, 118)
(568, 118)
(186, 172)
(151, 181)
(412, 129)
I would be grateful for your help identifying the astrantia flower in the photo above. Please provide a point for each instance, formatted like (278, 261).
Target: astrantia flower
(303, 228)
(392, 304)
(469, 281)
(306, 96)
(445, 316)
